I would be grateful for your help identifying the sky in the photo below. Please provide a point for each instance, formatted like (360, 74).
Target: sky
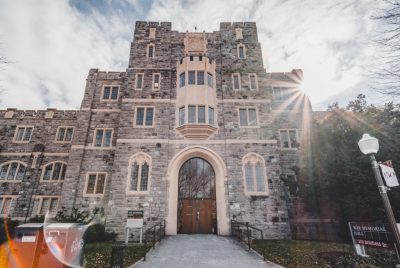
(51, 45)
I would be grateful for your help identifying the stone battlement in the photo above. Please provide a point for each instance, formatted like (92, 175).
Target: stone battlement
(50, 113)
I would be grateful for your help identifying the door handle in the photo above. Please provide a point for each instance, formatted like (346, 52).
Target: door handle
(198, 216)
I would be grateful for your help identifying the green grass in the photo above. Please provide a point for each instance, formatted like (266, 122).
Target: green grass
(98, 255)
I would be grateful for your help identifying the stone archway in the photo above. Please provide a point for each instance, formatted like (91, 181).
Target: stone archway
(220, 178)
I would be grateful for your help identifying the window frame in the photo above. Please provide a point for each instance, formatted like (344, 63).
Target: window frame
(247, 114)
(44, 167)
(233, 81)
(64, 141)
(136, 81)
(111, 89)
(144, 117)
(40, 205)
(85, 194)
(153, 83)
(14, 180)
(16, 132)
(183, 74)
(103, 137)
(241, 45)
(148, 50)
(256, 81)
(142, 158)
(208, 80)
(287, 130)
(253, 159)
(13, 198)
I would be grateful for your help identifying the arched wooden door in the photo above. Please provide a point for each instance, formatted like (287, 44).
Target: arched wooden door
(197, 213)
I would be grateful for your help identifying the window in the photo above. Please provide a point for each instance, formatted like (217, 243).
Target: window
(182, 116)
(254, 174)
(209, 79)
(64, 134)
(200, 58)
(139, 173)
(201, 112)
(12, 171)
(54, 171)
(241, 51)
(103, 137)
(191, 58)
(156, 81)
(211, 115)
(253, 81)
(110, 93)
(5, 205)
(182, 80)
(236, 81)
(282, 93)
(23, 134)
(48, 205)
(144, 116)
(139, 81)
(150, 51)
(192, 78)
(191, 114)
(200, 77)
(289, 138)
(95, 184)
(248, 117)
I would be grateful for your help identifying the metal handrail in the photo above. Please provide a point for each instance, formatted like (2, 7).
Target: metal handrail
(244, 232)
(156, 233)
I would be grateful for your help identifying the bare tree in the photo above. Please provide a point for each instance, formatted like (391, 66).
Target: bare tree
(387, 70)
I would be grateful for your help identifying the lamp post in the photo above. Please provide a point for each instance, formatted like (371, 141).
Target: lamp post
(370, 146)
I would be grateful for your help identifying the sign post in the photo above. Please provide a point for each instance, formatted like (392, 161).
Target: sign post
(388, 174)
(134, 221)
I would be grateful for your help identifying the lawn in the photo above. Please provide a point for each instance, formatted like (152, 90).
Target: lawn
(310, 254)
(98, 255)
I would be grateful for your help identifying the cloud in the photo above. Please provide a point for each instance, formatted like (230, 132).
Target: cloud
(54, 43)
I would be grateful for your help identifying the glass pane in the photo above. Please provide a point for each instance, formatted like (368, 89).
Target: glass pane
(53, 206)
(149, 116)
(21, 172)
(182, 80)
(68, 135)
(56, 171)
(145, 177)
(156, 81)
(3, 171)
(106, 93)
(200, 78)
(107, 138)
(293, 139)
(139, 116)
(253, 84)
(202, 115)
(45, 206)
(139, 81)
(20, 133)
(211, 115)
(243, 117)
(181, 115)
(191, 114)
(101, 179)
(27, 134)
(6, 205)
(151, 51)
(284, 138)
(236, 81)
(99, 137)
(47, 172)
(192, 77)
(248, 170)
(260, 178)
(210, 80)
(91, 183)
(241, 52)
(114, 93)
(64, 169)
(61, 132)
(134, 176)
(252, 117)
(13, 171)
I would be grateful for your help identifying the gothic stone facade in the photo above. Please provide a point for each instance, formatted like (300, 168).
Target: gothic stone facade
(183, 96)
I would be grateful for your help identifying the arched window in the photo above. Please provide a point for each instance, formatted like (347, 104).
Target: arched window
(139, 173)
(54, 171)
(150, 50)
(254, 174)
(12, 171)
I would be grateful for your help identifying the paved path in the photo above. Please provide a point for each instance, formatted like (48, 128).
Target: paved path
(193, 251)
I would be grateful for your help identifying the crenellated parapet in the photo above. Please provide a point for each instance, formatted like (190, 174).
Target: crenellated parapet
(50, 113)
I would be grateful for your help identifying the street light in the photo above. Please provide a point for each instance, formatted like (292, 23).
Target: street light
(370, 146)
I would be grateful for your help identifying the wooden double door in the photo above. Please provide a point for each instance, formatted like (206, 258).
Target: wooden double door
(198, 216)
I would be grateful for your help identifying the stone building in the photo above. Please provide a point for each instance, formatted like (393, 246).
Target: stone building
(194, 131)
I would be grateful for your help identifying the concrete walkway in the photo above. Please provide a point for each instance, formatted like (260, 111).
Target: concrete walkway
(183, 251)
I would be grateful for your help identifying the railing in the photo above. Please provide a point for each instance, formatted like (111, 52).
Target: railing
(154, 234)
(117, 256)
(246, 233)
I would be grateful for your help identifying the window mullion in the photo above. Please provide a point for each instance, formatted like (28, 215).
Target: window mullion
(95, 183)
(248, 116)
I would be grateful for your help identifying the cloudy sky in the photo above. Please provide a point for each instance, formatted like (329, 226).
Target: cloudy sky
(52, 44)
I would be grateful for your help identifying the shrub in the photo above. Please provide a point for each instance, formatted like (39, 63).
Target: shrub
(355, 261)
